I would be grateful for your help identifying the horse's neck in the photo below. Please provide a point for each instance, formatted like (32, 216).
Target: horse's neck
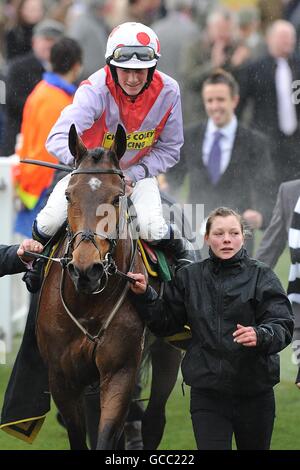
(123, 254)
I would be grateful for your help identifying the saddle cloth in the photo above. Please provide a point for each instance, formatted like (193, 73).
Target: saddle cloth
(155, 261)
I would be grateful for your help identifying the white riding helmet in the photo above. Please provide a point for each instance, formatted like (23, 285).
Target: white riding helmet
(132, 46)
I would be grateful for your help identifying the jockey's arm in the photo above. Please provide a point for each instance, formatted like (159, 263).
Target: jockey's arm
(87, 106)
(166, 151)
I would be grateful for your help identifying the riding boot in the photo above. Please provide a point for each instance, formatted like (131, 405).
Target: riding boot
(179, 248)
(33, 278)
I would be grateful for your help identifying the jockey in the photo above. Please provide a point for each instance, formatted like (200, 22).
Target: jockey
(128, 90)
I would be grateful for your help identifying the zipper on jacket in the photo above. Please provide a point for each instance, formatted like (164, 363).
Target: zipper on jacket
(219, 318)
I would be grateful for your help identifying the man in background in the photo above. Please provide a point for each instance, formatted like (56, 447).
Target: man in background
(22, 76)
(284, 226)
(226, 163)
(42, 109)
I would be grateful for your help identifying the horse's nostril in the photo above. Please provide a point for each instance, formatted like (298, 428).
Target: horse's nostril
(96, 271)
(92, 273)
(72, 270)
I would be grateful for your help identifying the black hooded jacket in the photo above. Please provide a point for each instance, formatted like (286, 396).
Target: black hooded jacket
(211, 297)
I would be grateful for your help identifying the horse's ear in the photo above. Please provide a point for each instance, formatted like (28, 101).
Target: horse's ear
(120, 142)
(76, 146)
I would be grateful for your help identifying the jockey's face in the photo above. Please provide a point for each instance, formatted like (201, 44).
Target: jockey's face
(132, 81)
(225, 236)
(219, 103)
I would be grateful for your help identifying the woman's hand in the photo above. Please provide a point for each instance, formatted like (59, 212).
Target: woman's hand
(245, 335)
(140, 285)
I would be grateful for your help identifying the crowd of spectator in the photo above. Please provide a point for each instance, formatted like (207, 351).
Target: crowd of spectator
(196, 37)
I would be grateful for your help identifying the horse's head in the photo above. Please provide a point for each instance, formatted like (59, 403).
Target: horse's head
(93, 196)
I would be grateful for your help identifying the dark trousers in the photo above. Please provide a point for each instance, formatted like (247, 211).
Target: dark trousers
(216, 417)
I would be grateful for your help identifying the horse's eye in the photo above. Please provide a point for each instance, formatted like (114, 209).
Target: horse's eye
(67, 196)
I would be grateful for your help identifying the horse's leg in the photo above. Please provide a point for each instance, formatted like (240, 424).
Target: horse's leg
(133, 424)
(69, 401)
(92, 415)
(92, 412)
(165, 364)
(116, 391)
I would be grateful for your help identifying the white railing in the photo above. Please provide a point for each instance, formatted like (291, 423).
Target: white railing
(13, 295)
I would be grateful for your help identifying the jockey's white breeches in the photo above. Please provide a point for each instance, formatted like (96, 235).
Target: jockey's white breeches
(145, 197)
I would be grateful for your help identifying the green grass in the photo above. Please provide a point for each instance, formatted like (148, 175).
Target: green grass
(178, 432)
(51, 436)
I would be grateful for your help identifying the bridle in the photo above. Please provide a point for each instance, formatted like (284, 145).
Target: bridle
(108, 263)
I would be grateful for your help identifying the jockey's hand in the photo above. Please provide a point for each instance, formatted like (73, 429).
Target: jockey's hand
(245, 335)
(29, 245)
(140, 285)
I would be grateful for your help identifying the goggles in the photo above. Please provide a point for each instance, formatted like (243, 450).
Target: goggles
(125, 53)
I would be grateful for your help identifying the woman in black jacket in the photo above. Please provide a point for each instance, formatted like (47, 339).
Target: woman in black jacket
(240, 318)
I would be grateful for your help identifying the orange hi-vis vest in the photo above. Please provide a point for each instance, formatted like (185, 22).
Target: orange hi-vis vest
(41, 111)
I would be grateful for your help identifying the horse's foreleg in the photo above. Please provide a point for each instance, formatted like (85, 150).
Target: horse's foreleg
(165, 364)
(116, 392)
(69, 401)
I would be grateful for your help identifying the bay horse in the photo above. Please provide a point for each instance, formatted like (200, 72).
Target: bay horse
(87, 328)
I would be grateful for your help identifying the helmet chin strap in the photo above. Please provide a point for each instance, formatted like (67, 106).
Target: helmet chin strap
(149, 80)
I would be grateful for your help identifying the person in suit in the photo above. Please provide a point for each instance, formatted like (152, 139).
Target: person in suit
(275, 240)
(227, 163)
(12, 257)
(267, 84)
(275, 236)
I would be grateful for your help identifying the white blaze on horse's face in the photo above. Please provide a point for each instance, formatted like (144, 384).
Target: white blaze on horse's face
(94, 183)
